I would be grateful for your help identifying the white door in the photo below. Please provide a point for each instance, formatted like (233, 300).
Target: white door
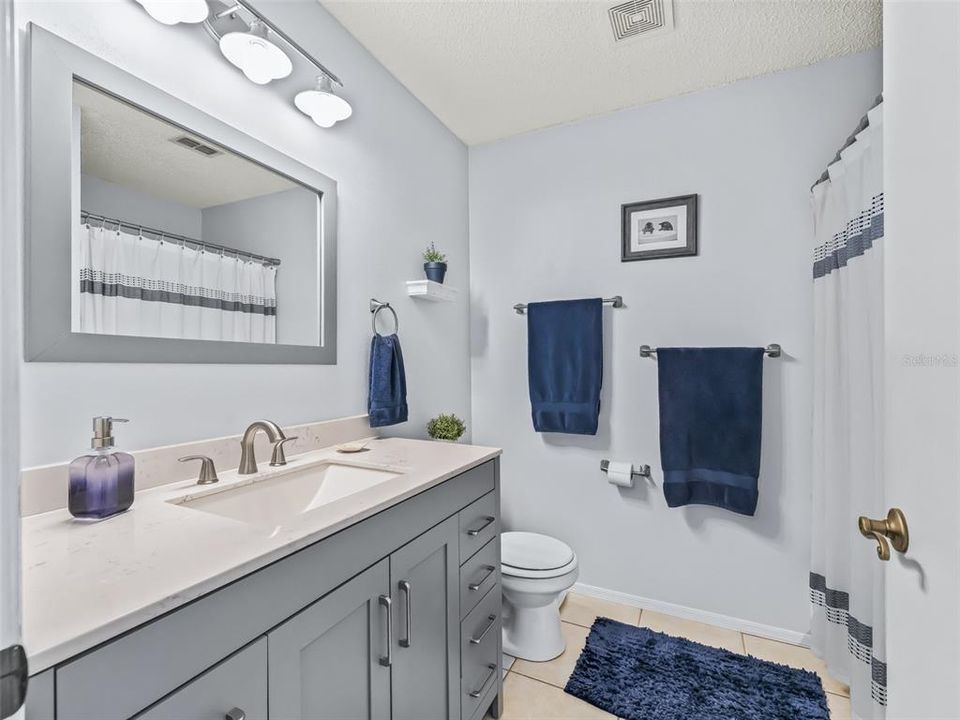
(922, 287)
(11, 654)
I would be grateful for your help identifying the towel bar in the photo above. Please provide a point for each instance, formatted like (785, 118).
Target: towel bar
(616, 301)
(772, 350)
(641, 471)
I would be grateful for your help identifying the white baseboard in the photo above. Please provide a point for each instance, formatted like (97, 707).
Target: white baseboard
(711, 618)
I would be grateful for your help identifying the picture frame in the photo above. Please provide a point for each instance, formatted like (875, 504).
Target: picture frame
(655, 229)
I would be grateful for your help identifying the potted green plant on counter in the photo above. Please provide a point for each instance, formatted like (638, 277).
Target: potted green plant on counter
(435, 263)
(446, 427)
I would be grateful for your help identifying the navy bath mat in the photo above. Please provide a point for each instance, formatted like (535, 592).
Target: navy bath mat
(639, 674)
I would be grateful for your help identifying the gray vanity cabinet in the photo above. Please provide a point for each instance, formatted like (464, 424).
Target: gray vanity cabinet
(394, 625)
(425, 578)
(325, 662)
(393, 618)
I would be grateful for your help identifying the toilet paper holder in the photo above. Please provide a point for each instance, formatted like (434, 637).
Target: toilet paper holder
(637, 471)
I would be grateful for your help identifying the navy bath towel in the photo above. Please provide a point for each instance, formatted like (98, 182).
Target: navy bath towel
(388, 383)
(710, 416)
(565, 365)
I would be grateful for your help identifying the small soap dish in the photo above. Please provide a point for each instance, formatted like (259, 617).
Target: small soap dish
(352, 447)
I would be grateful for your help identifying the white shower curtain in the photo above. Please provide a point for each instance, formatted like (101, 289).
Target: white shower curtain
(846, 578)
(132, 285)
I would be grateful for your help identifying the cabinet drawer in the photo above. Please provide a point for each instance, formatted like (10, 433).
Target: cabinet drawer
(239, 682)
(479, 524)
(478, 575)
(480, 652)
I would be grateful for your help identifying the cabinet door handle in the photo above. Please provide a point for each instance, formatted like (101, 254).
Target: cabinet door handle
(477, 585)
(387, 604)
(479, 638)
(408, 630)
(235, 714)
(476, 531)
(486, 681)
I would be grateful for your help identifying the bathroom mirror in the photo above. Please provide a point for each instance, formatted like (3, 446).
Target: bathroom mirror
(156, 233)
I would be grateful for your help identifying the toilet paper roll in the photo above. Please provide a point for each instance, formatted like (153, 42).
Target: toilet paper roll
(620, 473)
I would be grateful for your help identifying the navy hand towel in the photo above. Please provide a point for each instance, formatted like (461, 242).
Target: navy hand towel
(710, 415)
(565, 365)
(388, 383)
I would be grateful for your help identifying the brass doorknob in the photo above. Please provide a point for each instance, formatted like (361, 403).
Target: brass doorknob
(893, 527)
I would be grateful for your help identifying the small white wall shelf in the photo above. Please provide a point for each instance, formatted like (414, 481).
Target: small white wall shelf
(432, 291)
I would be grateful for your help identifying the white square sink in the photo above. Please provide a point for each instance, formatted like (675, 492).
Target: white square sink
(275, 501)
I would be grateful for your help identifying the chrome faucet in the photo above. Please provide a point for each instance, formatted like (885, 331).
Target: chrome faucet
(248, 460)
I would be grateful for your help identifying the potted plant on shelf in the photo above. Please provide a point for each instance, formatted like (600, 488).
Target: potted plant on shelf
(435, 263)
(446, 427)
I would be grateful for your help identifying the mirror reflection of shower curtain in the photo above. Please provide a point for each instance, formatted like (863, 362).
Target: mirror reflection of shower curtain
(846, 579)
(133, 285)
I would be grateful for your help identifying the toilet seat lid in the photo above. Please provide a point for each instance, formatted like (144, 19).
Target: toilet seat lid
(533, 551)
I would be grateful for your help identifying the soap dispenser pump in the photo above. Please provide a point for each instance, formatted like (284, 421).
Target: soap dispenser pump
(101, 481)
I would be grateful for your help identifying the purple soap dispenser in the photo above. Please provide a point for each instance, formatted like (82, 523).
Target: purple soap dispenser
(101, 481)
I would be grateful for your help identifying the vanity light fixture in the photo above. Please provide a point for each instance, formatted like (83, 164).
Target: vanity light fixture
(254, 53)
(171, 12)
(322, 104)
(259, 48)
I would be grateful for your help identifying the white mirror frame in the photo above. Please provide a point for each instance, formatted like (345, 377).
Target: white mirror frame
(50, 217)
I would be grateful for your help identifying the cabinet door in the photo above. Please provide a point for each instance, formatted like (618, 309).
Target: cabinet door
(238, 685)
(425, 584)
(328, 662)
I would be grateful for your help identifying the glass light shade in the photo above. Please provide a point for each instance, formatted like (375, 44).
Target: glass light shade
(259, 59)
(322, 105)
(171, 12)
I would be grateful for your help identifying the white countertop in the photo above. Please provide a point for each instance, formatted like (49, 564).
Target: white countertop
(84, 583)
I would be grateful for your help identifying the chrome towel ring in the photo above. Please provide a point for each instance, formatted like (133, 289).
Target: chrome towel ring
(375, 307)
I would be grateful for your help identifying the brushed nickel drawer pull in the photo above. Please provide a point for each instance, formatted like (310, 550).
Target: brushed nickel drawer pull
(387, 604)
(479, 638)
(479, 691)
(235, 714)
(405, 589)
(477, 585)
(486, 522)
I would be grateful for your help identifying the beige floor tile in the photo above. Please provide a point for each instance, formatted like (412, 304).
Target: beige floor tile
(557, 671)
(528, 699)
(839, 707)
(583, 610)
(693, 630)
(794, 656)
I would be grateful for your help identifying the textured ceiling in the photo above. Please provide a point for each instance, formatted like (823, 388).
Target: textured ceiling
(494, 68)
(126, 146)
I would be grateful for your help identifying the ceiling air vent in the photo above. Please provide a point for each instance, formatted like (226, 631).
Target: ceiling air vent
(195, 145)
(640, 18)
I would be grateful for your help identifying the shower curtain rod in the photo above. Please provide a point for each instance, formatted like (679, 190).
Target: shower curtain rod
(161, 234)
(861, 126)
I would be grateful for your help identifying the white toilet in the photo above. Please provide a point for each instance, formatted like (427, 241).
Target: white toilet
(537, 571)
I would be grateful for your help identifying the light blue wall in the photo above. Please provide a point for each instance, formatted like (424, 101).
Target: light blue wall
(117, 201)
(545, 224)
(284, 225)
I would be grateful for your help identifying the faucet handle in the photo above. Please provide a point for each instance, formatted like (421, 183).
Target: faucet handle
(279, 458)
(208, 471)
